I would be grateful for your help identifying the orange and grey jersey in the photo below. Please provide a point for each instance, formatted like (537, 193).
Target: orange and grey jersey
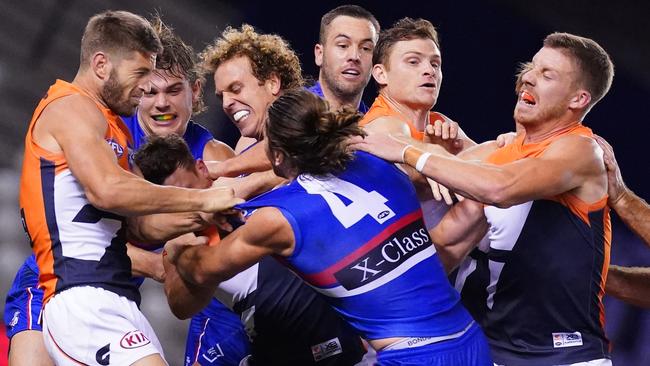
(75, 243)
(548, 262)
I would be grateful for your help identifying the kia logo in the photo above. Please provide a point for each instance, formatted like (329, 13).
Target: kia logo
(134, 339)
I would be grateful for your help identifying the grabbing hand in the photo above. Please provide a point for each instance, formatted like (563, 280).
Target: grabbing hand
(444, 132)
(381, 145)
(219, 199)
(173, 248)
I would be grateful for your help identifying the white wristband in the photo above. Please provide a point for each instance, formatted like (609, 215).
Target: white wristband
(404, 151)
(421, 161)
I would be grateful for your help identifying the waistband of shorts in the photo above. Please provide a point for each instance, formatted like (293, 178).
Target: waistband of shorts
(413, 342)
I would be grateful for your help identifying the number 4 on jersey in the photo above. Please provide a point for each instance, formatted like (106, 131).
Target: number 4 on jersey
(362, 202)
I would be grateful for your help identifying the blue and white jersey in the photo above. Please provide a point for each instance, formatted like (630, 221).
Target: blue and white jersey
(318, 90)
(196, 136)
(361, 241)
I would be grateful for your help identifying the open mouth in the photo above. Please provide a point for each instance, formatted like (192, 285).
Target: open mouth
(428, 85)
(351, 72)
(527, 98)
(163, 117)
(240, 115)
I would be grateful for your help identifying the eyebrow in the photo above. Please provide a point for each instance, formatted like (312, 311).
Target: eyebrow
(349, 38)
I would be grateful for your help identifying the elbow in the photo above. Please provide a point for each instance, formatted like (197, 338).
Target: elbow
(105, 197)
(498, 194)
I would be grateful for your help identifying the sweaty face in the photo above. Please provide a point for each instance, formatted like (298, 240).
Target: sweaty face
(127, 82)
(345, 58)
(414, 73)
(167, 107)
(245, 99)
(546, 87)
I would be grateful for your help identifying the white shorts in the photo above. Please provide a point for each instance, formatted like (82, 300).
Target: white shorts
(89, 325)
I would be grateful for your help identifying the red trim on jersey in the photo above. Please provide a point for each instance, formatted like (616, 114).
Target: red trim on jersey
(326, 277)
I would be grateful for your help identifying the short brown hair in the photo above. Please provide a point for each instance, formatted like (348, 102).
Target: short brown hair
(177, 58)
(268, 54)
(404, 29)
(594, 64)
(161, 156)
(117, 32)
(312, 138)
(353, 11)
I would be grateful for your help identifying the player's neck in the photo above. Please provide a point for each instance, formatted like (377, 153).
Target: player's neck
(337, 101)
(86, 83)
(419, 116)
(537, 132)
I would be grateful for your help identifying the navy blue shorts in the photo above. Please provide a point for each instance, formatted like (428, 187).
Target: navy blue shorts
(470, 349)
(24, 302)
(216, 337)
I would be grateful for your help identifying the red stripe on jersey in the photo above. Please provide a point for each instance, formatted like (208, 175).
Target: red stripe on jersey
(326, 277)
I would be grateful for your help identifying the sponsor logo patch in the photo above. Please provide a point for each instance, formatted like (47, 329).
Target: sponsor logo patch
(561, 340)
(14, 320)
(117, 148)
(213, 353)
(134, 339)
(326, 349)
(399, 247)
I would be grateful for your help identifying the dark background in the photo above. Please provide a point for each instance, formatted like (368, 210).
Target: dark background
(482, 44)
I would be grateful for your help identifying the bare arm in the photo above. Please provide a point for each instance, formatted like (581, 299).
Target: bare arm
(145, 263)
(632, 209)
(265, 232)
(217, 150)
(251, 185)
(185, 299)
(93, 163)
(458, 232)
(250, 161)
(571, 163)
(630, 284)
(162, 227)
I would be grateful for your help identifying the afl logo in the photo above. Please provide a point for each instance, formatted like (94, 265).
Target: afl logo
(383, 214)
(117, 148)
(134, 339)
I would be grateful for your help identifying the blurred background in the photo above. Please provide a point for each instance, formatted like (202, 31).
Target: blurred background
(482, 44)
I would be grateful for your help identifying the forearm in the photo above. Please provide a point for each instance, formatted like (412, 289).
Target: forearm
(185, 299)
(635, 213)
(478, 152)
(629, 284)
(145, 263)
(257, 183)
(250, 161)
(162, 227)
(483, 183)
(196, 267)
(459, 231)
(127, 194)
(251, 185)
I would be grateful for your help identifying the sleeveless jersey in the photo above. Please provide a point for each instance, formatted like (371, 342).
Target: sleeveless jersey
(75, 243)
(548, 261)
(318, 90)
(360, 240)
(196, 136)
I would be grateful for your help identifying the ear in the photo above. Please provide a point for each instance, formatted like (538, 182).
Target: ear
(101, 65)
(580, 100)
(273, 84)
(379, 74)
(278, 158)
(318, 54)
(197, 90)
(201, 168)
